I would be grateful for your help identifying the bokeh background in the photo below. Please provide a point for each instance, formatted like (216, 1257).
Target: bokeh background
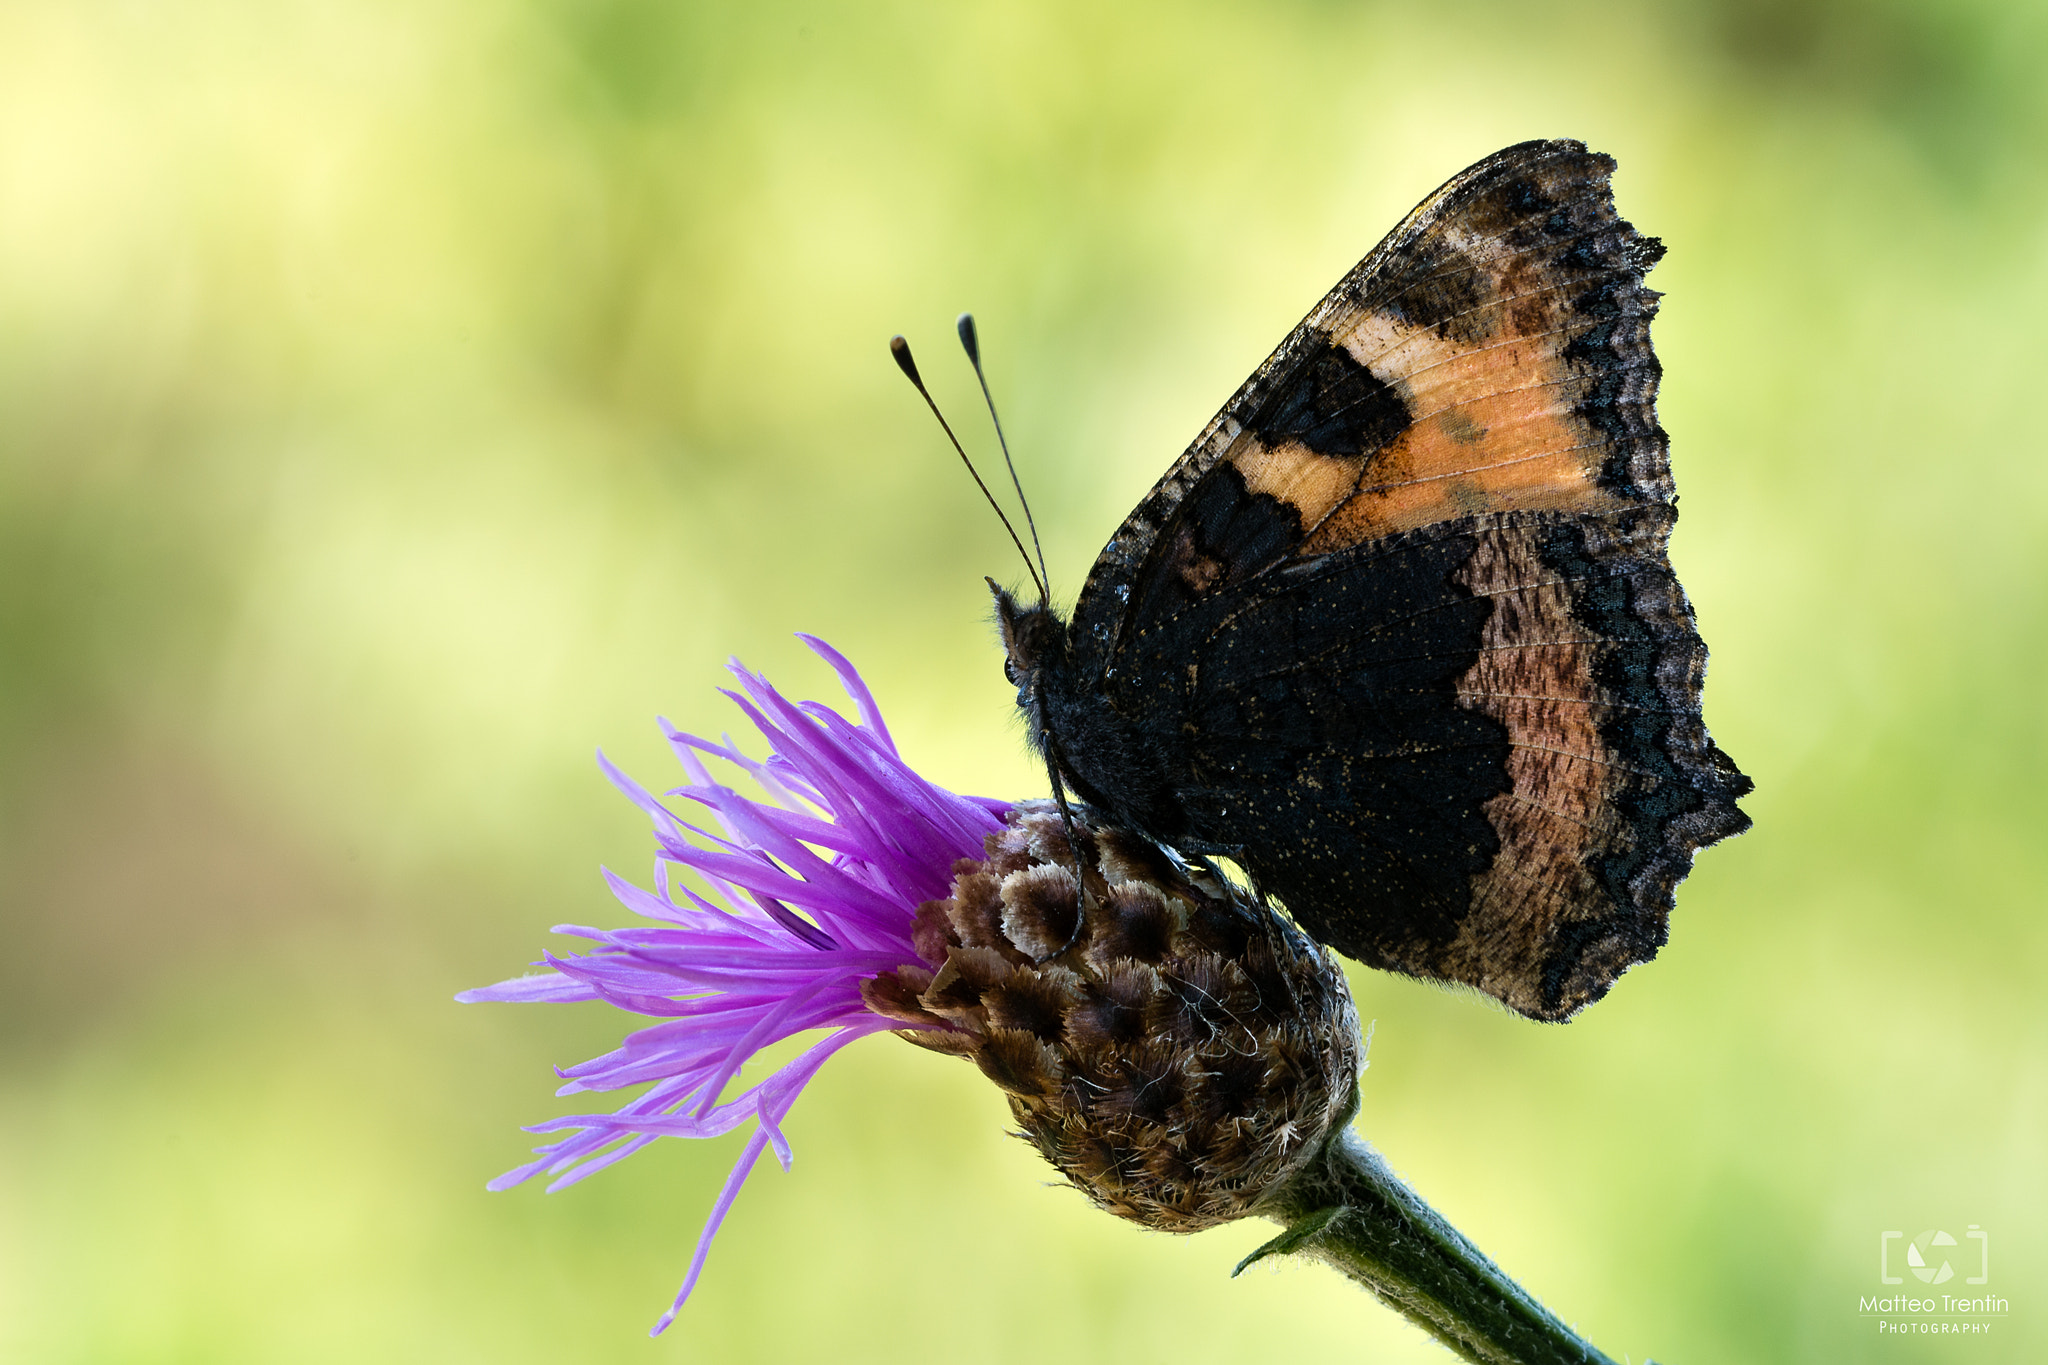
(399, 400)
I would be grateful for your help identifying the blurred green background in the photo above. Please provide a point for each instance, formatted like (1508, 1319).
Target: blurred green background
(398, 400)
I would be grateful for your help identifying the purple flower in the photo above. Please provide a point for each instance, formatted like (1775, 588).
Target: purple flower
(806, 896)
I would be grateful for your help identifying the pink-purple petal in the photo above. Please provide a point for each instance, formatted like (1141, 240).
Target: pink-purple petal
(805, 896)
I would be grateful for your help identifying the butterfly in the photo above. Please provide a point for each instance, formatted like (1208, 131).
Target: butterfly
(1398, 634)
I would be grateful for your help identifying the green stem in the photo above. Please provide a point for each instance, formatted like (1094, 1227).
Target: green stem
(1351, 1212)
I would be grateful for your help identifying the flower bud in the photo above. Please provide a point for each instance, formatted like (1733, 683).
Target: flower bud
(1179, 1055)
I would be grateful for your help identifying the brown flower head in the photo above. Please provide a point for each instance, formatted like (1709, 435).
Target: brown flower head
(1179, 1056)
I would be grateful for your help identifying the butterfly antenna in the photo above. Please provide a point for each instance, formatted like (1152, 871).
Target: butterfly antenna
(971, 343)
(900, 348)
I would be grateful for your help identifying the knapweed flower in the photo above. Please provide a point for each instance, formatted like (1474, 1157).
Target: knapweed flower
(1178, 1053)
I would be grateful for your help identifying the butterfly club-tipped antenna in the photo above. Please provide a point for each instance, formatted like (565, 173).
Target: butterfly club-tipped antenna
(970, 342)
(900, 349)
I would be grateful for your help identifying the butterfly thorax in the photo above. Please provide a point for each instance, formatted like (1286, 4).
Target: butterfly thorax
(1101, 756)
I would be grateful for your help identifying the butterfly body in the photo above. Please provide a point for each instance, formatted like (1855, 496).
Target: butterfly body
(1398, 633)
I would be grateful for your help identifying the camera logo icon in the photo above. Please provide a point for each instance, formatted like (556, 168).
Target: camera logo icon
(1934, 1255)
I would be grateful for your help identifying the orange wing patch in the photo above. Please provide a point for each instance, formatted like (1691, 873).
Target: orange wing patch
(1494, 431)
(1507, 337)
(1314, 485)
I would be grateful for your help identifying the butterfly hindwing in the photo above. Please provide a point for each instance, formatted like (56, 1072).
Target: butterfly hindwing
(1399, 631)
(1591, 664)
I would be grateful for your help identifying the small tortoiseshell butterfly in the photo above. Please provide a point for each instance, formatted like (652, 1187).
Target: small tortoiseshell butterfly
(1398, 633)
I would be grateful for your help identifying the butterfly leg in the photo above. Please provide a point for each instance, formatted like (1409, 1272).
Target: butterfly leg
(1059, 796)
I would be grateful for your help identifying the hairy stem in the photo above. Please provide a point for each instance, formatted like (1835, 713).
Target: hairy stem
(1351, 1212)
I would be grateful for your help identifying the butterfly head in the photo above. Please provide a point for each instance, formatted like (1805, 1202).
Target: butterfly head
(1034, 642)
